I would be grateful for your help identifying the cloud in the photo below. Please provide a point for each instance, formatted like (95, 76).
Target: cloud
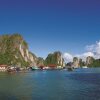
(91, 50)
(95, 48)
(68, 57)
(85, 55)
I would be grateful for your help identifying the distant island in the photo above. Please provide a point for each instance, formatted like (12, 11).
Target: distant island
(14, 51)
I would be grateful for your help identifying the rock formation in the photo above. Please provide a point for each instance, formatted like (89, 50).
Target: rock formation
(40, 61)
(14, 51)
(55, 59)
(89, 60)
(75, 62)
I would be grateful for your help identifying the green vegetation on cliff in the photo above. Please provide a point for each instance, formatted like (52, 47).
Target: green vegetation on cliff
(54, 58)
(94, 63)
(40, 61)
(13, 50)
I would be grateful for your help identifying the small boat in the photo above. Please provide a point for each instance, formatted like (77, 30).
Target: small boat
(84, 67)
(34, 68)
(11, 70)
(70, 69)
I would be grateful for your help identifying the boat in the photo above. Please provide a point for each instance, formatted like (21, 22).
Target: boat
(70, 69)
(84, 67)
(46, 68)
(12, 69)
(34, 68)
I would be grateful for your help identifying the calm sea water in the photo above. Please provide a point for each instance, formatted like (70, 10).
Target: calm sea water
(81, 84)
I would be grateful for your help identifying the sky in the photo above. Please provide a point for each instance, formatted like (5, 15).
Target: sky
(52, 25)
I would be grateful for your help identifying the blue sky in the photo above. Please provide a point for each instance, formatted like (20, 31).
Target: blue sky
(50, 25)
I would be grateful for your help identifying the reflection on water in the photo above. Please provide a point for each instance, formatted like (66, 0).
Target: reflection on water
(81, 84)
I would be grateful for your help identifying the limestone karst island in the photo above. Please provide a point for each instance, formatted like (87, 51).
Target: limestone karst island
(16, 56)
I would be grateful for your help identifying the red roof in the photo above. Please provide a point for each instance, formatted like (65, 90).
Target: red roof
(52, 65)
(3, 65)
(41, 66)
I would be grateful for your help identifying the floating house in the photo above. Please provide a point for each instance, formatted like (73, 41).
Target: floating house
(3, 67)
(52, 66)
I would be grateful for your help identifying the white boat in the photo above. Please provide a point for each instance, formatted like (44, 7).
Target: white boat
(84, 67)
(34, 68)
(46, 68)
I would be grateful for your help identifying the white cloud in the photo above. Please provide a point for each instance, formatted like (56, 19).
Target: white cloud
(95, 48)
(67, 57)
(85, 55)
(91, 50)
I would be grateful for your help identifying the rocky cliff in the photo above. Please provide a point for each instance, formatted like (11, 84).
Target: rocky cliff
(89, 60)
(40, 61)
(55, 59)
(14, 51)
(76, 62)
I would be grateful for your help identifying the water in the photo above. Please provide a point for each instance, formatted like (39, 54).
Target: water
(81, 84)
